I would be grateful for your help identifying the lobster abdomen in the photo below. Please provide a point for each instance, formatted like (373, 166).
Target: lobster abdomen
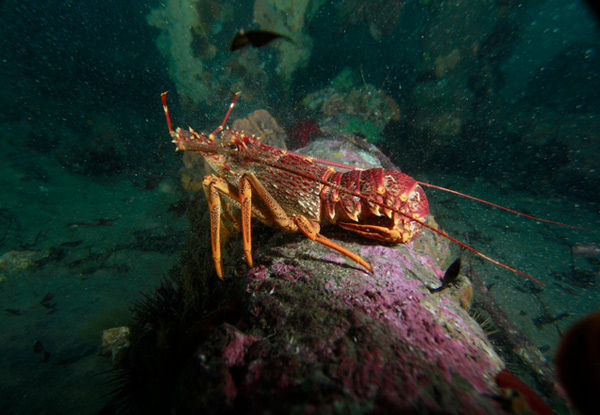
(402, 193)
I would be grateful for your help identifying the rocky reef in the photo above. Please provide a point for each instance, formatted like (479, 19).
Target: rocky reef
(195, 38)
(307, 330)
(434, 91)
(320, 335)
(352, 107)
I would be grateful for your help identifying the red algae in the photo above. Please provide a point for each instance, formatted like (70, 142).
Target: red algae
(301, 131)
(233, 352)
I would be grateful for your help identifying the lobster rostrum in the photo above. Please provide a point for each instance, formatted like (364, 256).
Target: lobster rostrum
(295, 192)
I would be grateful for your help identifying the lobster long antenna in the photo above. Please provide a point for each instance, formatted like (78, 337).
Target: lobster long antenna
(300, 173)
(325, 162)
(499, 207)
(465, 246)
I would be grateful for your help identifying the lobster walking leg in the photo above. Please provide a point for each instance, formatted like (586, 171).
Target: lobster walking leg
(217, 189)
(245, 194)
(312, 232)
(214, 207)
(289, 223)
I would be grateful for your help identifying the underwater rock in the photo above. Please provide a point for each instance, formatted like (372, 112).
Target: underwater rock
(193, 38)
(341, 151)
(307, 330)
(13, 262)
(444, 99)
(176, 21)
(288, 18)
(195, 35)
(381, 15)
(379, 342)
(115, 342)
(261, 124)
(570, 82)
(361, 110)
(317, 333)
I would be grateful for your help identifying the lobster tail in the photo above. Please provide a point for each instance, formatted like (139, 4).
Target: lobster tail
(368, 216)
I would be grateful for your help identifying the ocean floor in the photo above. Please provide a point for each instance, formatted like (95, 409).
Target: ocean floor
(542, 250)
(78, 251)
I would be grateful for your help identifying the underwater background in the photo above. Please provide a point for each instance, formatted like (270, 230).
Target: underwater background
(496, 99)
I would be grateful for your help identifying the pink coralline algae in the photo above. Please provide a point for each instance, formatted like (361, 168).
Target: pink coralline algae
(322, 336)
(232, 354)
(318, 334)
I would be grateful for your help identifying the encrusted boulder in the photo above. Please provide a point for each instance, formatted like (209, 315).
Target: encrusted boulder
(307, 330)
(321, 335)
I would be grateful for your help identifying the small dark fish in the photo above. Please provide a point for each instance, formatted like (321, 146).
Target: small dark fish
(449, 278)
(452, 273)
(256, 38)
(13, 311)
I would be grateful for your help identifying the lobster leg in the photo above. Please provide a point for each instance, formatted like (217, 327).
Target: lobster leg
(245, 195)
(217, 189)
(289, 223)
(214, 207)
(275, 215)
(312, 233)
(380, 233)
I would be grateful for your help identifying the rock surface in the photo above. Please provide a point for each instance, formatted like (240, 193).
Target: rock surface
(324, 336)
(309, 331)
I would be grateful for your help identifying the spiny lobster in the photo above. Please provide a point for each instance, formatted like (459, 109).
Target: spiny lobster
(298, 193)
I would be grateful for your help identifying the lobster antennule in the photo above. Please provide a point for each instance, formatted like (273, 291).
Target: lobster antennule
(163, 98)
(220, 127)
(500, 207)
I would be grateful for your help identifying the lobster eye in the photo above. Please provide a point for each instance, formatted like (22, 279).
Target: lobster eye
(233, 146)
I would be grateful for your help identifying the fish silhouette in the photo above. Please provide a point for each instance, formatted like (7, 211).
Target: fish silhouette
(256, 38)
